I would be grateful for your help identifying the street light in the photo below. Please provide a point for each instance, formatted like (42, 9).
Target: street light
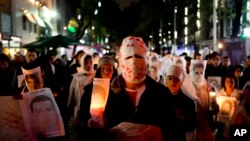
(96, 12)
(214, 25)
(175, 32)
(99, 4)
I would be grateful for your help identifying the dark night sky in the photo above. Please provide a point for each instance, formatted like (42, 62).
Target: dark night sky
(70, 4)
(124, 3)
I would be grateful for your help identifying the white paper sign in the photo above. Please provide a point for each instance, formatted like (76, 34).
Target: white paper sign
(227, 107)
(41, 114)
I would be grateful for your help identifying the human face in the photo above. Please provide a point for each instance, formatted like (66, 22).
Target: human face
(31, 84)
(198, 57)
(107, 71)
(30, 57)
(88, 64)
(45, 113)
(4, 65)
(173, 83)
(153, 73)
(226, 62)
(248, 62)
(237, 73)
(198, 74)
(229, 83)
(216, 61)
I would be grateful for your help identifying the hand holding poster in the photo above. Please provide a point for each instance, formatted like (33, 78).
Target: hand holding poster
(227, 107)
(99, 97)
(20, 81)
(41, 114)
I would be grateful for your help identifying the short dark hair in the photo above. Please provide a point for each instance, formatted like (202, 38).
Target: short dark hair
(39, 99)
(214, 54)
(4, 57)
(228, 75)
(32, 50)
(239, 67)
(208, 57)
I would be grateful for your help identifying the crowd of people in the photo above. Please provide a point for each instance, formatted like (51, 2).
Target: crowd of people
(166, 92)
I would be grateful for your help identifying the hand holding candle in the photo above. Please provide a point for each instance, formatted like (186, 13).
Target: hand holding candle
(212, 99)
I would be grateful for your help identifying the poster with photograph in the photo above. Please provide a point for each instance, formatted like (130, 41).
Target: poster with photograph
(227, 107)
(11, 121)
(20, 81)
(40, 106)
(99, 97)
(33, 78)
(214, 81)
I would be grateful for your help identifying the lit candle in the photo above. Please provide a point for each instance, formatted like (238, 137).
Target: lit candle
(212, 99)
(97, 110)
(97, 105)
(212, 96)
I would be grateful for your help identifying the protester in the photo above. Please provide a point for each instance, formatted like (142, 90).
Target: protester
(205, 123)
(135, 97)
(80, 80)
(105, 69)
(184, 103)
(216, 68)
(31, 55)
(228, 90)
(6, 85)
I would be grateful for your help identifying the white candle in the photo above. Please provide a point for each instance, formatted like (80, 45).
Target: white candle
(212, 96)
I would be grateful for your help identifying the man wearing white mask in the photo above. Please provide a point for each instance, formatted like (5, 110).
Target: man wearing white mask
(137, 98)
(206, 108)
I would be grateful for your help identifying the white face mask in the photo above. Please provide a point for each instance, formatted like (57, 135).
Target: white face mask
(134, 69)
(198, 75)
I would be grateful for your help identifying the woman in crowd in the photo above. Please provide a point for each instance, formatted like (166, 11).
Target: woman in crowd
(80, 80)
(105, 69)
(228, 90)
(229, 87)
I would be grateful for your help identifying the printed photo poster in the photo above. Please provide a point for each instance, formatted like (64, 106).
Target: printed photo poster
(11, 121)
(215, 81)
(33, 78)
(20, 81)
(99, 97)
(227, 107)
(41, 114)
